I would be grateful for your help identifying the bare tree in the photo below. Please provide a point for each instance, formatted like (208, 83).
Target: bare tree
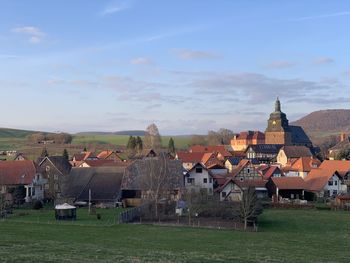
(197, 140)
(152, 137)
(157, 177)
(226, 135)
(250, 206)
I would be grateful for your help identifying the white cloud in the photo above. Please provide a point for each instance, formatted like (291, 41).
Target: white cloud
(141, 61)
(35, 34)
(323, 61)
(115, 7)
(188, 54)
(345, 13)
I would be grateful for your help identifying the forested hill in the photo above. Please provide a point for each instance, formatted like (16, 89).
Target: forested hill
(325, 121)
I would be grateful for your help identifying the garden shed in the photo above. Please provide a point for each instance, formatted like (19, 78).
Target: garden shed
(65, 212)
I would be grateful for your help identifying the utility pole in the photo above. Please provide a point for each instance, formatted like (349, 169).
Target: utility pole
(89, 201)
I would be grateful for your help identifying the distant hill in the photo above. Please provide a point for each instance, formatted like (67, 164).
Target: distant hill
(129, 133)
(325, 121)
(14, 133)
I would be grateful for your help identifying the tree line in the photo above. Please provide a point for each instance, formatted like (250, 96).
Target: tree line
(59, 138)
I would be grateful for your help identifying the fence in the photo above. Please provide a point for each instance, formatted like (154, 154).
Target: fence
(132, 214)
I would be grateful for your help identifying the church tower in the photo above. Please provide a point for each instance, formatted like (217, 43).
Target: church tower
(278, 130)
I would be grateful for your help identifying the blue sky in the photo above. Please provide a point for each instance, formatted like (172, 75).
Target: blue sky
(188, 66)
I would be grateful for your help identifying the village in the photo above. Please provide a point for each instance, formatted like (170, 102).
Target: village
(278, 168)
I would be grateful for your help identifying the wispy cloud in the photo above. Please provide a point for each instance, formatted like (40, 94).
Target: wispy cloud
(189, 54)
(280, 64)
(323, 61)
(35, 34)
(141, 61)
(115, 7)
(323, 16)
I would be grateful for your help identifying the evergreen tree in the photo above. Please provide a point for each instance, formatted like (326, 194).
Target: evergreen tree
(131, 145)
(44, 153)
(85, 150)
(171, 146)
(65, 154)
(139, 144)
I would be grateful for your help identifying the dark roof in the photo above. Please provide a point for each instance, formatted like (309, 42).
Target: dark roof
(265, 148)
(297, 151)
(104, 183)
(299, 136)
(61, 163)
(234, 160)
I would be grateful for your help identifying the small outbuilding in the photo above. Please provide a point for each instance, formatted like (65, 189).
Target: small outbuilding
(65, 212)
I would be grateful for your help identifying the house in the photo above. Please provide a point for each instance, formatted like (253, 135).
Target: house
(53, 169)
(246, 170)
(301, 166)
(327, 180)
(232, 189)
(269, 171)
(103, 184)
(244, 139)
(20, 157)
(144, 176)
(21, 175)
(288, 154)
(189, 159)
(343, 144)
(80, 157)
(199, 178)
(286, 187)
(264, 153)
(217, 168)
(231, 163)
(109, 155)
(103, 162)
(220, 150)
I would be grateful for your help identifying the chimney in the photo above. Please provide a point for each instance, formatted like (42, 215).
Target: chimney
(342, 136)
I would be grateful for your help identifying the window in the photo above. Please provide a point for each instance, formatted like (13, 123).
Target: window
(190, 180)
(248, 170)
(199, 170)
(210, 180)
(335, 182)
(330, 182)
(205, 180)
(47, 168)
(335, 192)
(55, 177)
(223, 194)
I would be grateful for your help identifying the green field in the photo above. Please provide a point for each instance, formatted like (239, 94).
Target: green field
(181, 142)
(284, 236)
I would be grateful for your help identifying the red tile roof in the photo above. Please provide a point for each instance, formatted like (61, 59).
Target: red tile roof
(210, 149)
(270, 171)
(289, 183)
(190, 157)
(17, 172)
(305, 164)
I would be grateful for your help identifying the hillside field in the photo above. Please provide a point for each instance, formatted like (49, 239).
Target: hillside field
(284, 236)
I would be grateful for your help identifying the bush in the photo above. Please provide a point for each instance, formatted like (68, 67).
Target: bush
(37, 205)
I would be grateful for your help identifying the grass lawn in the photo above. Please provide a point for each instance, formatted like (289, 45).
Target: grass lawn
(284, 236)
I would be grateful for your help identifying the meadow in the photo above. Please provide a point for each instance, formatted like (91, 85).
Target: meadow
(283, 236)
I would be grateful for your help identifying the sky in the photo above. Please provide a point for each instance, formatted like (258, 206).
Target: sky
(187, 66)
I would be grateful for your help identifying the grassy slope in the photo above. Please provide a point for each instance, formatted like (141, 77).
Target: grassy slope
(285, 236)
(180, 141)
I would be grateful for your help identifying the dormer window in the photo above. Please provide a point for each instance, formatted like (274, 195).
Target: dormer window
(47, 168)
